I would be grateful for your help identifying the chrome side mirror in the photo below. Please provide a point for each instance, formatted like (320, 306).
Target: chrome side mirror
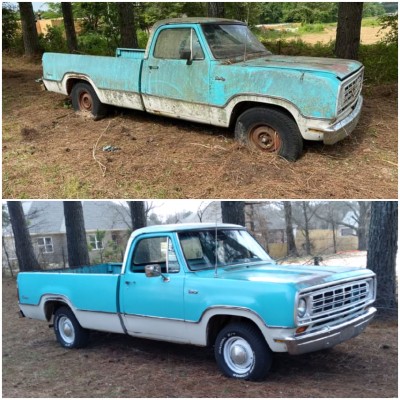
(153, 271)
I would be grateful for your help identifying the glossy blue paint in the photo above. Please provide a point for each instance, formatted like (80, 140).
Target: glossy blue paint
(265, 288)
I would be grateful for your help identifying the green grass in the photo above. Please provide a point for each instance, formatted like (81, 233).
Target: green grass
(370, 22)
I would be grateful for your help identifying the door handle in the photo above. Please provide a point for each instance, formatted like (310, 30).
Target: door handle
(153, 67)
(127, 283)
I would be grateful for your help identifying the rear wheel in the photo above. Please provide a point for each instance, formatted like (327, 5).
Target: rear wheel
(271, 131)
(241, 352)
(85, 99)
(69, 332)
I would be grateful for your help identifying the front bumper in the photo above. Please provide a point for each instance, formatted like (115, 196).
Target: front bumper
(345, 127)
(329, 336)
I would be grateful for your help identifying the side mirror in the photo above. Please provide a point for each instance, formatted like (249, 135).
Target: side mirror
(152, 271)
(186, 55)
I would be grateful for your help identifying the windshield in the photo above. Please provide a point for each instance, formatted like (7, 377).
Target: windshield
(231, 247)
(232, 41)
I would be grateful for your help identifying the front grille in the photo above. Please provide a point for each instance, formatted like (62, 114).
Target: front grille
(337, 301)
(350, 91)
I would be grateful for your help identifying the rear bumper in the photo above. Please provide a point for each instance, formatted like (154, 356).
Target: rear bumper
(329, 336)
(345, 127)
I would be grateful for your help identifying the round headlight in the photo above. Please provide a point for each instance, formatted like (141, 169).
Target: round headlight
(301, 308)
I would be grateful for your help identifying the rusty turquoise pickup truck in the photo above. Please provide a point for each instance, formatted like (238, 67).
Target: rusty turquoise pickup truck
(215, 71)
(205, 285)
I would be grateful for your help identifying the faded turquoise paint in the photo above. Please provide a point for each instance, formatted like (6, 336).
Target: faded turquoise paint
(313, 94)
(310, 84)
(109, 73)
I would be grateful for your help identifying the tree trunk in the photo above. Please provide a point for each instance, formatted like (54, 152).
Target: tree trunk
(382, 250)
(348, 30)
(27, 260)
(233, 212)
(126, 15)
(291, 243)
(216, 10)
(7, 255)
(363, 222)
(333, 225)
(306, 229)
(138, 214)
(77, 247)
(69, 26)
(29, 32)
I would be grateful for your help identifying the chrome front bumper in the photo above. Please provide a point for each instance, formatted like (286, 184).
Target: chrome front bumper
(329, 336)
(343, 128)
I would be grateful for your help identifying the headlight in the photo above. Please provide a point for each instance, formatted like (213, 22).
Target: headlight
(301, 308)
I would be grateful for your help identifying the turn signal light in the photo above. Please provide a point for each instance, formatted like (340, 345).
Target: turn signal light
(301, 329)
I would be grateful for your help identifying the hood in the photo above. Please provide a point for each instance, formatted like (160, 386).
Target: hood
(300, 275)
(339, 67)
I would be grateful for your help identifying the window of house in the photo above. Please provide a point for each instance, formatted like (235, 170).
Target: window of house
(45, 244)
(347, 232)
(175, 43)
(95, 242)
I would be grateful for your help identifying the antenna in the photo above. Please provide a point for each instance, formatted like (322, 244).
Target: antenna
(216, 249)
(247, 33)
(245, 45)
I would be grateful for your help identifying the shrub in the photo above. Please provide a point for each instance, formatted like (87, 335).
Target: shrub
(54, 41)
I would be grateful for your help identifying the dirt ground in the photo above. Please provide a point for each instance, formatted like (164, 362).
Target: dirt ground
(48, 152)
(34, 365)
(369, 35)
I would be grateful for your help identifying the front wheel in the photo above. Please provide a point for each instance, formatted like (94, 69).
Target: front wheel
(69, 332)
(85, 99)
(241, 352)
(271, 131)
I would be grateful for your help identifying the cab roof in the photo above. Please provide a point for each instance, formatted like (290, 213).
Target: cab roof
(183, 227)
(196, 20)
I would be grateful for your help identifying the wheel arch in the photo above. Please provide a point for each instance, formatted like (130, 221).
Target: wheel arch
(217, 319)
(70, 80)
(244, 105)
(52, 303)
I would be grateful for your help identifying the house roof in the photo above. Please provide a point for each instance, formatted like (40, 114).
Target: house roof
(47, 217)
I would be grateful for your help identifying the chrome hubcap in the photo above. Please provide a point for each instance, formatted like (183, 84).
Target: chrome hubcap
(238, 355)
(66, 329)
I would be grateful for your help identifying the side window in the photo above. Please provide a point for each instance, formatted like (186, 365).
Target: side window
(175, 43)
(157, 250)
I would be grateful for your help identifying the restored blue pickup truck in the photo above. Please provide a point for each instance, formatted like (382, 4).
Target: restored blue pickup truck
(205, 285)
(215, 71)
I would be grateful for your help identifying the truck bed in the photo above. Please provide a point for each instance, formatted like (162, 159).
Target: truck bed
(89, 288)
(121, 73)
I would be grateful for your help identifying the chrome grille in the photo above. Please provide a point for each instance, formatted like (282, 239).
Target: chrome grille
(350, 91)
(337, 301)
(339, 297)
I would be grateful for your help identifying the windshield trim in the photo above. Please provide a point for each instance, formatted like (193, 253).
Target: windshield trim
(238, 58)
(270, 260)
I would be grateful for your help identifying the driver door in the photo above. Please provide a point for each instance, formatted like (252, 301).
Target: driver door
(175, 77)
(148, 302)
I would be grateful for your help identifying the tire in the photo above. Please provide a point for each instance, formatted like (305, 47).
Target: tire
(84, 99)
(270, 131)
(69, 332)
(241, 352)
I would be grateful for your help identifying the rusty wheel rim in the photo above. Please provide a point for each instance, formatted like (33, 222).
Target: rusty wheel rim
(85, 101)
(265, 138)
